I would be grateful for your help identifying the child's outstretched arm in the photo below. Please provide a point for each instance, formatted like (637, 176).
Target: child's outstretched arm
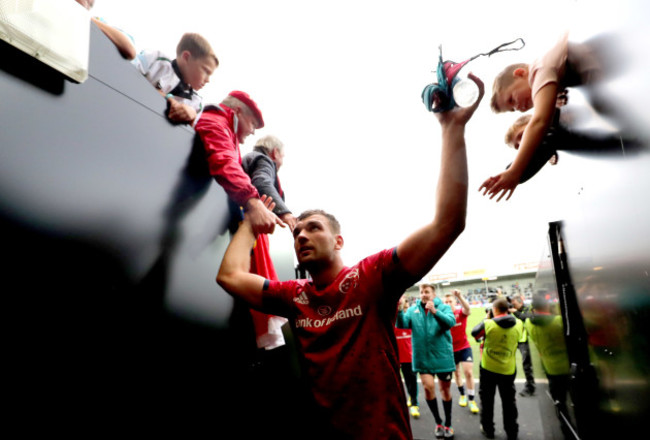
(505, 183)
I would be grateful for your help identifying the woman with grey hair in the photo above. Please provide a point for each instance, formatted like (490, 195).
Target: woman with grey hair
(262, 165)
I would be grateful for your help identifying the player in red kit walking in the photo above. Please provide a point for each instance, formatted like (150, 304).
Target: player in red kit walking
(462, 349)
(405, 350)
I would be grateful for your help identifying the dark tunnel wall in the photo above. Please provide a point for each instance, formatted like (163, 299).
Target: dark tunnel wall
(112, 233)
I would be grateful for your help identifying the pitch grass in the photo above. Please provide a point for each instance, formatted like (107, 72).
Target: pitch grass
(478, 313)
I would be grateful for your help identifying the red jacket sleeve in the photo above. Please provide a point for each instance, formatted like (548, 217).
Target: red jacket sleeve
(223, 157)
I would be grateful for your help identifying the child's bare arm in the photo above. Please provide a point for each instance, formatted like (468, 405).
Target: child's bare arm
(504, 184)
(121, 41)
(544, 105)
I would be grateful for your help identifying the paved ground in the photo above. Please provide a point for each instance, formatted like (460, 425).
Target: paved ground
(536, 417)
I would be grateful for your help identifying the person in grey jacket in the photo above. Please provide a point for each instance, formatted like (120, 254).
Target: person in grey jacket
(262, 165)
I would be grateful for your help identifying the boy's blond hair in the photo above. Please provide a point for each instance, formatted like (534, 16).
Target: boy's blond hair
(514, 128)
(503, 80)
(196, 45)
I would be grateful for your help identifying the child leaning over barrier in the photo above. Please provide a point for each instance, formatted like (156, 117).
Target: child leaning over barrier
(178, 80)
(537, 85)
(515, 133)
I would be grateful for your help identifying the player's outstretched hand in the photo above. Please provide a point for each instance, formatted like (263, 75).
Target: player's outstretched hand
(460, 115)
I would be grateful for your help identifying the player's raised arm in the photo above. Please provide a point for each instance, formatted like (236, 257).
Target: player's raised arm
(422, 249)
(234, 275)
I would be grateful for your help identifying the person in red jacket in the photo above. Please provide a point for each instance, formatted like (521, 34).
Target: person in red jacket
(222, 128)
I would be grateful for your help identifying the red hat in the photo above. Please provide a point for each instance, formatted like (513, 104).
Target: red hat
(243, 97)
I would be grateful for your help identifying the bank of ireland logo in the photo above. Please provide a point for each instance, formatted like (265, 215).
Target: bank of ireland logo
(350, 281)
(324, 310)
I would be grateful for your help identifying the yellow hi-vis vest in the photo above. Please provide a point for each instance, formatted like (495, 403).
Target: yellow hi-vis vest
(500, 347)
(549, 340)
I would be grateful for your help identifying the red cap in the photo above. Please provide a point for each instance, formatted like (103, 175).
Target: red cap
(243, 97)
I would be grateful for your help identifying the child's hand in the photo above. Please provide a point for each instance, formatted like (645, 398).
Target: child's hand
(179, 112)
(504, 183)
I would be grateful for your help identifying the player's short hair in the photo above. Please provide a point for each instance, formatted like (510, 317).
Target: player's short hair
(514, 128)
(433, 287)
(334, 224)
(196, 45)
(500, 305)
(269, 143)
(501, 81)
(539, 303)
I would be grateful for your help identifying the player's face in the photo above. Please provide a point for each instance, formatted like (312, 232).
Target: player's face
(426, 294)
(450, 301)
(516, 96)
(314, 241)
(199, 70)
